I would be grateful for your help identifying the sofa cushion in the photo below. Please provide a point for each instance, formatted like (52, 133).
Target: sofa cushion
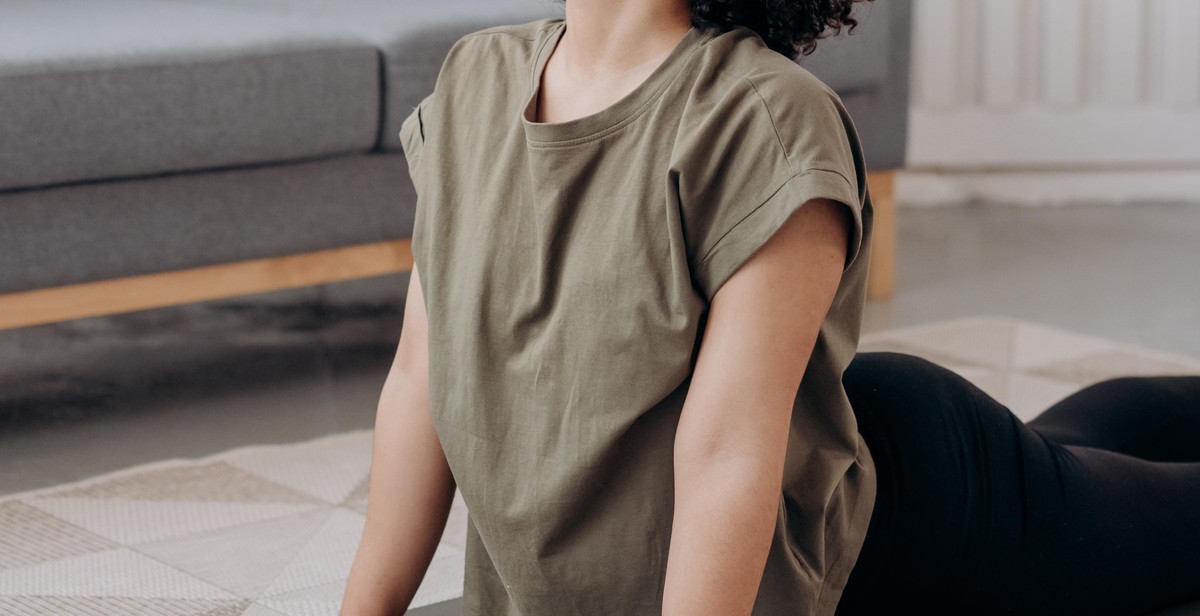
(100, 230)
(120, 88)
(414, 37)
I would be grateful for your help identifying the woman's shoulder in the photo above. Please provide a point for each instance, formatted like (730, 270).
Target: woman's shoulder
(738, 66)
(528, 30)
(759, 103)
(492, 57)
(480, 48)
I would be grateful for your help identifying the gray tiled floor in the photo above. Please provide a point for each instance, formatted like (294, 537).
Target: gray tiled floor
(81, 398)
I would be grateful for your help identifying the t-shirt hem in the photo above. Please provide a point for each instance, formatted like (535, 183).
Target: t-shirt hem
(834, 583)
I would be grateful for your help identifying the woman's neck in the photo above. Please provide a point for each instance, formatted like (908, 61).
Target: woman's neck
(604, 38)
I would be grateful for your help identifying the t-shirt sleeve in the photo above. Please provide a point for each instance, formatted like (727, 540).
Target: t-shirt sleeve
(412, 136)
(420, 128)
(415, 126)
(757, 157)
(412, 140)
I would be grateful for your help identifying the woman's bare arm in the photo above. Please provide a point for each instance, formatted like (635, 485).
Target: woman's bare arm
(732, 435)
(411, 488)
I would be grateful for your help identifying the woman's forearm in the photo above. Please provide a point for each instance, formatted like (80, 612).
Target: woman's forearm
(410, 494)
(725, 513)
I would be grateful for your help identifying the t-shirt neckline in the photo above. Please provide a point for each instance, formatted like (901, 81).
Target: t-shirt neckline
(615, 115)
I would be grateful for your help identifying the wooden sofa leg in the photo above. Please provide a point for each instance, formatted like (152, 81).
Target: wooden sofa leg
(881, 271)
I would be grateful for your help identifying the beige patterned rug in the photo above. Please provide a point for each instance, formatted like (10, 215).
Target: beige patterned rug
(272, 530)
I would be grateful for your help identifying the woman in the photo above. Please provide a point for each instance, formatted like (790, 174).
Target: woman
(640, 259)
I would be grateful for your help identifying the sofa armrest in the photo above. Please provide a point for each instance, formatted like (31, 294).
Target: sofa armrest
(870, 70)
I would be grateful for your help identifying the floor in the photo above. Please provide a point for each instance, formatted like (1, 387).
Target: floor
(1126, 272)
(272, 530)
(94, 395)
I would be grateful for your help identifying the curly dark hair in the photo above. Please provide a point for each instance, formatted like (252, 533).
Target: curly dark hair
(790, 27)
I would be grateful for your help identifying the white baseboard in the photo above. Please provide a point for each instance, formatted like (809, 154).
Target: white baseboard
(1046, 188)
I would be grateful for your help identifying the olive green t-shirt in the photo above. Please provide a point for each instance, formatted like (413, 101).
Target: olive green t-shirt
(567, 269)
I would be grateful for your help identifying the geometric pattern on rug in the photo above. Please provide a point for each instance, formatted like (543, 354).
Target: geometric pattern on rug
(271, 530)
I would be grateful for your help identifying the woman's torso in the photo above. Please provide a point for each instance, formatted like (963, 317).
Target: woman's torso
(558, 266)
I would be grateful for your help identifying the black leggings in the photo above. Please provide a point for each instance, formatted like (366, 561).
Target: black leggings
(1092, 508)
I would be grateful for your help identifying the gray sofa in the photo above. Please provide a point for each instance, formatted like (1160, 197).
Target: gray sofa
(140, 139)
